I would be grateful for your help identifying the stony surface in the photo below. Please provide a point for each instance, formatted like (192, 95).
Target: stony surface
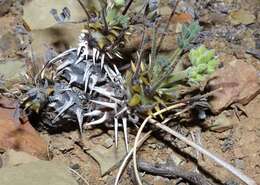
(37, 173)
(12, 71)
(17, 136)
(231, 36)
(239, 83)
(5, 6)
(17, 158)
(108, 158)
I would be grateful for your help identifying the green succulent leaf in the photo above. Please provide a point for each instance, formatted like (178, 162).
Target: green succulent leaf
(204, 62)
(201, 68)
(119, 2)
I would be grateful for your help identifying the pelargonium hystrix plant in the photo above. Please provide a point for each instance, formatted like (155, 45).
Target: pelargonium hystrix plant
(84, 84)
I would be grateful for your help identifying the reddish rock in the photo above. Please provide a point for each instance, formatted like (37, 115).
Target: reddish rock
(239, 82)
(17, 136)
(5, 6)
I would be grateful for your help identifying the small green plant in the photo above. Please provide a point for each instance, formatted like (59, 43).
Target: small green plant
(204, 62)
(188, 34)
(158, 79)
(114, 16)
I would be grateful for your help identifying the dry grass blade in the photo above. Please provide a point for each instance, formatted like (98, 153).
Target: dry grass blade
(84, 8)
(139, 60)
(127, 7)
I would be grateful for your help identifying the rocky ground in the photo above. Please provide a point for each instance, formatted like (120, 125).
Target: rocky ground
(231, 27)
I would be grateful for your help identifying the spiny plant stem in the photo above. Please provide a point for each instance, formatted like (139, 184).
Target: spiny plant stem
(174, 60)
(153, 49)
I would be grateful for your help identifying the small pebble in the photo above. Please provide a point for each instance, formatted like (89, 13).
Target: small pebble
(75, 166)
(257, 43)
(254, 52)
(231, 182)
(108, 143)
(239, 164)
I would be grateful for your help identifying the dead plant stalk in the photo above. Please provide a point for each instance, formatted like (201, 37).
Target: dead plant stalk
(212, 156)
(127, 158)
(140, 131)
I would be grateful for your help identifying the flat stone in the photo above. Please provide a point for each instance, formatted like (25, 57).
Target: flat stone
(9, 45)
(108, 158)
(40, 18)
(37, 173)
(66, 34)
(16, 158)
(12, 71)
(108, 142)
(238, 83)
(17, 136)
(7, 24)
(222, 123)
(242, 17)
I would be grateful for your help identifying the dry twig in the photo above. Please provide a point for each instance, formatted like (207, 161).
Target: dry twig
(212, 156)
(173, 171)
(167, 26)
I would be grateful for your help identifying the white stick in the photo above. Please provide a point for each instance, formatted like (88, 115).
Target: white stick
(139, 133)
(127, 158)
(220, 161)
